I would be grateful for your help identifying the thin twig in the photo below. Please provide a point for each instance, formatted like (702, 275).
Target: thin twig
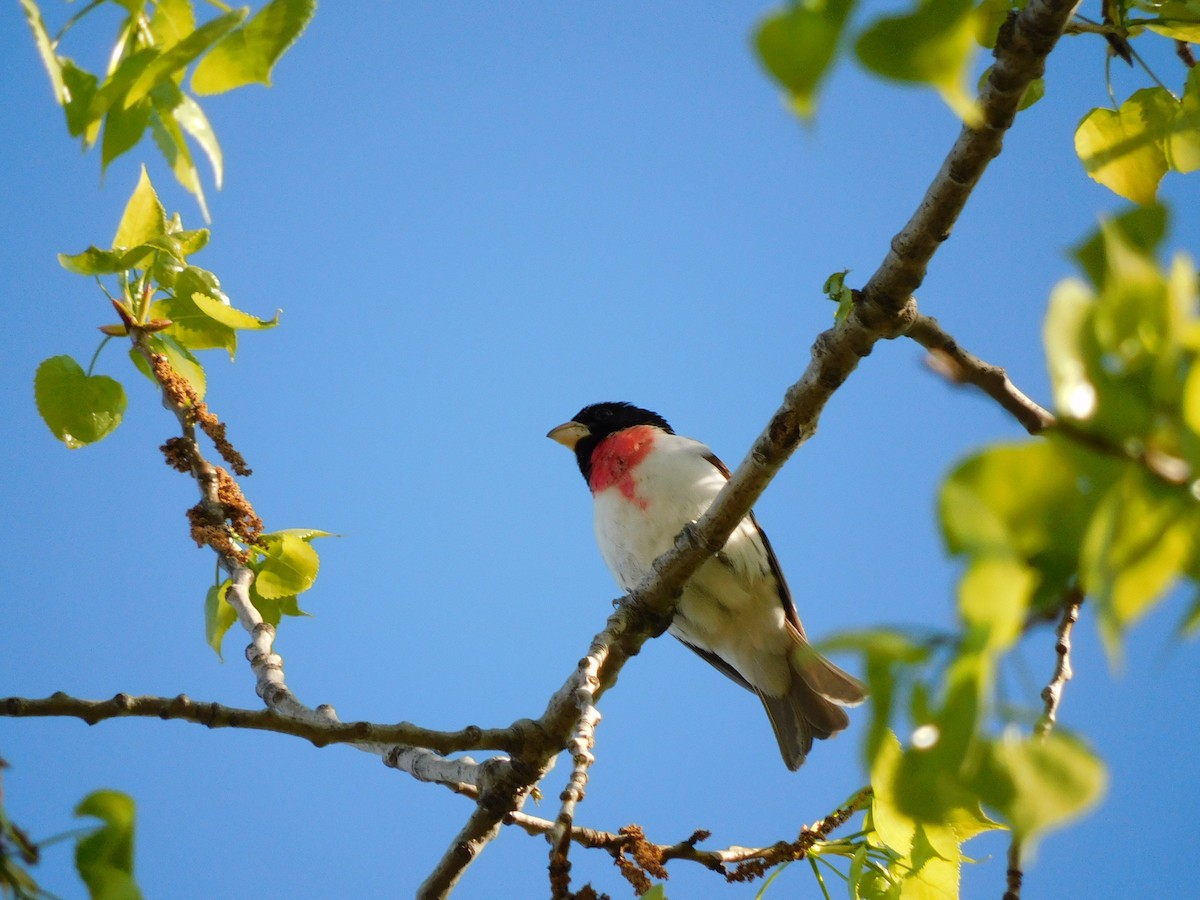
(1051, 700)
(961, 367)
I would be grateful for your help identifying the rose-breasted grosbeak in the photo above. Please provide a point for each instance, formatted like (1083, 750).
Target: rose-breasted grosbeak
(736, 611)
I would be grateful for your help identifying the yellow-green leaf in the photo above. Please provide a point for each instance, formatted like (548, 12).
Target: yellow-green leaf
(797, 44)
(144, 218)
(227, 315)
(45, 49)
(1183, 143)
(79, 408)
(1123, 149)
(104, 858)
(994, 596)
(248, 54)
(1178, 19)
(1040, 784)
(219, 616)
(933, 45)
(1139, 540)
(289, 567)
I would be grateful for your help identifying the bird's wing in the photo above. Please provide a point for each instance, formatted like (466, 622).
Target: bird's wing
(785, 594)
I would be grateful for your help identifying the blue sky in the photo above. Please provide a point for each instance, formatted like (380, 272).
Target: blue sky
(476, 220)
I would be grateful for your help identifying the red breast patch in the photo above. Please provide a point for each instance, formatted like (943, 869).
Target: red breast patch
(616, 457)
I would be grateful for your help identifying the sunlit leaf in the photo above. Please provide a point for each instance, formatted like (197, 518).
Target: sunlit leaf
(289, 567)
(227, 315)
(123, 128)
(1123, 149)
(1141, 227)
(92, 261)
(1183, 143)
(181, 54)
(79, 408)
(170, 140)
(144, 218)
(248, 54)
(173, 20)
(1178, 19)
(1040, 784)
(797, 44)
(45, 49)
(994, 596)
(933, 45)
(192, 120)
(219, 616)
(104, 858)
(81, 90)
(1139, 540)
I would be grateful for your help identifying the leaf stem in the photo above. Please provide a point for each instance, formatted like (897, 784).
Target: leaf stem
(96, 355)
(62, 32)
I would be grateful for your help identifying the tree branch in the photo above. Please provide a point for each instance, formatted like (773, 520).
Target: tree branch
(1051, 699)
(961, 367)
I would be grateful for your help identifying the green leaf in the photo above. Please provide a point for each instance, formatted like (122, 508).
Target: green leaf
(1123, 149)
(1178, 19)
(192, 120)
(92, 261)
(180, 358)
(45, 49)
(123, 128)
(192, 328)
(81, 91)
(104, 858)
(1142, 227)
(79, 408)
(1139, 540)
(181, 54)
(172, 145)
(227, 315)
(1183, 143)
(796, 45)
(144, 218)
(993, 598)
(656, 892)
(835, 289)
(219, 616)
(173, 20)
(932, 45)
(248, 54)
(288, 568)
(1040, 784)
(1031, 501)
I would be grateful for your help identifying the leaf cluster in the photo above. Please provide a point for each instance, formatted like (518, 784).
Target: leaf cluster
(142, 88)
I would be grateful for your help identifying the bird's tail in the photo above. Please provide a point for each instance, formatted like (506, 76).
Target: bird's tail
(813, 706)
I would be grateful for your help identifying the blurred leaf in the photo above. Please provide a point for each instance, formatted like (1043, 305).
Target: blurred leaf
(989, 16)
(1031, 501)
(1123, 149)
(227, 315)
(104, 858)
(144, 218)
(933, 45)
(172, 145)
(1191, 620)
(192, 120)
(1142, 227)
(656, 892)
(1178, 19)
(1183, 143)
(181, 54)
(219, 616)
(796, 44)
(79, 408)
(173, 20)
(249, 54)
(123, 128)
(81, 91)
(993, 597)
(289, 567)
(1040, 784)
(1139, 540)
(45, 49)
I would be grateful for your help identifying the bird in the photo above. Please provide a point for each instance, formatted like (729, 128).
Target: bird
(736, 612)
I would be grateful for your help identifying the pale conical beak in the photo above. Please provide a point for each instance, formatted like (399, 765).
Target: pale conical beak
(568, 434)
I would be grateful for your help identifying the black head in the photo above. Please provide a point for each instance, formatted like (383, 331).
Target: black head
(594, 423)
